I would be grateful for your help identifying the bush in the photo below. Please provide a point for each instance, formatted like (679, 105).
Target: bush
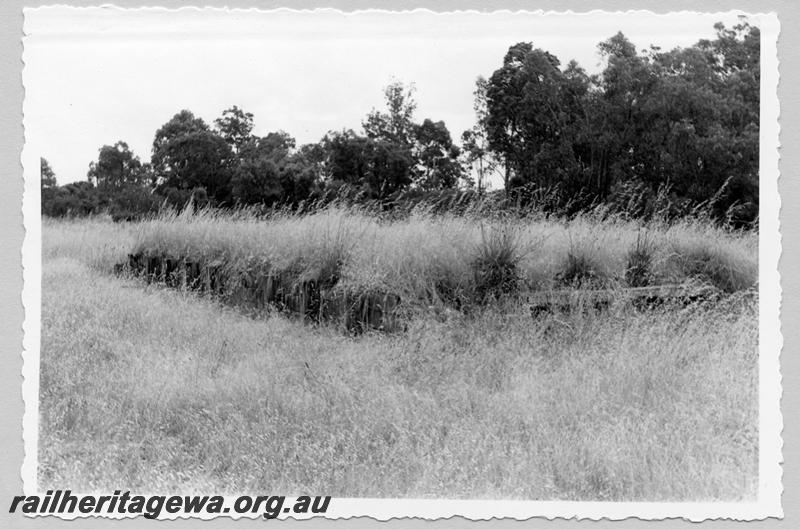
(132, 203)
(77, 199)
(180, 198)
(80, 199)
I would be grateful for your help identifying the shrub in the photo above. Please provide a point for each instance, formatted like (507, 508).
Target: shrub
(77, 199)
(132, 203)
(180, 199)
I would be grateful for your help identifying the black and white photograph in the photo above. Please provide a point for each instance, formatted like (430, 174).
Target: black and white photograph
(402, 263)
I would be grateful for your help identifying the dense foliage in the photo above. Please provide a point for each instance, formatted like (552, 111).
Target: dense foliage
(655, 133)
(683, 122)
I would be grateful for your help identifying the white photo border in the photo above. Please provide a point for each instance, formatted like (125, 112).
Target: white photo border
(770, 489)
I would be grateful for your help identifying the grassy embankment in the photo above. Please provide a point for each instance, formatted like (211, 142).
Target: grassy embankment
(156, 389)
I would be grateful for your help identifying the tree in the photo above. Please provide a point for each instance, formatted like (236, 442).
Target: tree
(619, 116)
(735, 50)
(265, 181)
(116, 167)
(377, 167)
(345, 156)
(48, 177)
(74, 199)
(710, 96)
(475, 141)
(681, 125)
(439, 166)
(299, 181)
(235, 127)
(396, 125)
(419, 154)
(122, 183)
(130, 202)
(181, 124)
(188, 155)
(257, 181)
(736, 59)
(530, 116)
(313, 157)
(276, 146)
(48, 185)
(271, 172)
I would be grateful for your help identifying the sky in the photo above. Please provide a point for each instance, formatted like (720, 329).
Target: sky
(94, 76)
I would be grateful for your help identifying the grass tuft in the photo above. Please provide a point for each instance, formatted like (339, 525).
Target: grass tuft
(711, 263)
(582, 267)
(640, 262)
(495, 266)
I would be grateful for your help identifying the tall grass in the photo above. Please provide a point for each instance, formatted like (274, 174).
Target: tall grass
(160, 390)
(96, 241)
(430, 260)
(639, 270)
(496, 264)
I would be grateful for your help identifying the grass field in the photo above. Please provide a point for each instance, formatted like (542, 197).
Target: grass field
(156, 389)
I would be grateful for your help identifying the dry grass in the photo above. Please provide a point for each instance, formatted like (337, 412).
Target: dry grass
(433, 259)
(96, 242)
(154, 389)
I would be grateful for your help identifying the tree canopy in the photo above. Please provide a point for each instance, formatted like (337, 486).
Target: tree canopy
(116, 167)
(654, 132)
(682, 123)
(47, 174)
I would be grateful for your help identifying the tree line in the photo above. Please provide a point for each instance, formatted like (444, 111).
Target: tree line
(655, 132)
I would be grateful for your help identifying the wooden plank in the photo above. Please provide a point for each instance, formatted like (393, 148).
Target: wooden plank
(600, 298)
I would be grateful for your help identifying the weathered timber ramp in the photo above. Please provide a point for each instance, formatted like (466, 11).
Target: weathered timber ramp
(567, 300)
(311, 296)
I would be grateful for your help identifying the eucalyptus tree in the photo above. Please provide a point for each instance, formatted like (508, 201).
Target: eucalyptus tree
(530, 117)
(48, 176)
(188, 155)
